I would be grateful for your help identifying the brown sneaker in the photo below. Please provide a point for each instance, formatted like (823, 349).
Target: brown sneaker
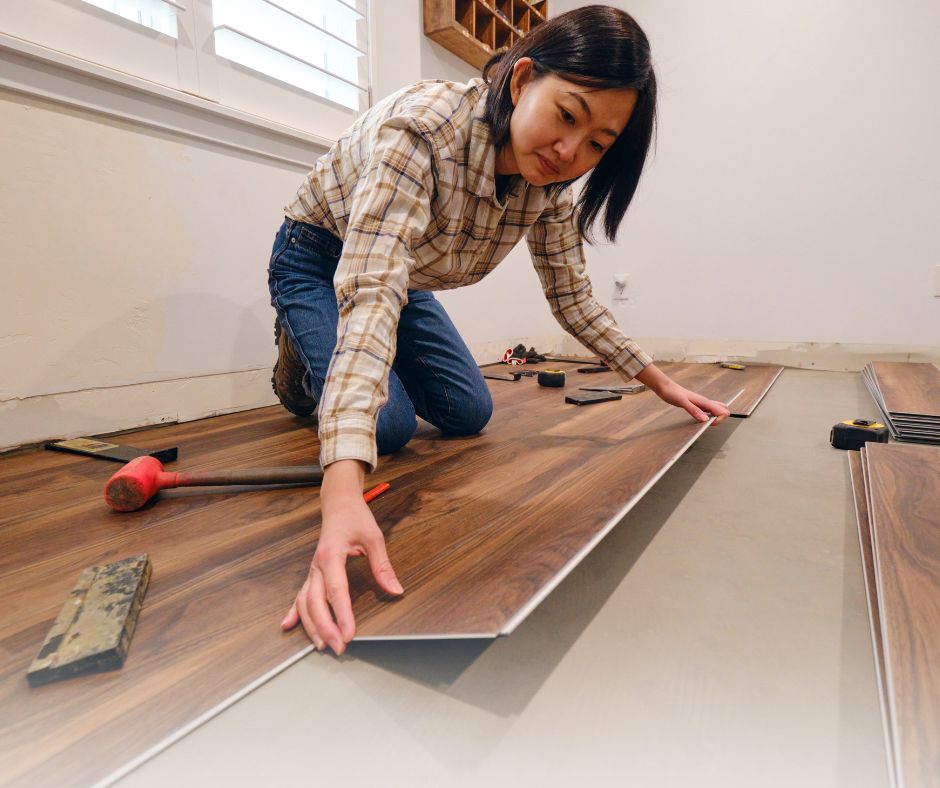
(288, 376)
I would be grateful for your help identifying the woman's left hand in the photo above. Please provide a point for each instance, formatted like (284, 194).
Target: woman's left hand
(698, 406)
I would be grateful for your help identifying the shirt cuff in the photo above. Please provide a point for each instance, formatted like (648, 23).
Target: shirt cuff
(629, 361)
(348, 438)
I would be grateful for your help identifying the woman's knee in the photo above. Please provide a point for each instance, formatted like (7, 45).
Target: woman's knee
(470, 415)
(392, 437)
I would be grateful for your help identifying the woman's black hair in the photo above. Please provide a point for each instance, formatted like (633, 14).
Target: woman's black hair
(598, 47)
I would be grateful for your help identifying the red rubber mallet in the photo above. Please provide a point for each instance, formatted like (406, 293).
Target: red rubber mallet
(143, 477)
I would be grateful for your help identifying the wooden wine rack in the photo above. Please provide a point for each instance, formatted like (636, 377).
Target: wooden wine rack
(475, 30)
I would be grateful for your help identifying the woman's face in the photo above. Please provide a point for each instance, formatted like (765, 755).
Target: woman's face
(559, 130)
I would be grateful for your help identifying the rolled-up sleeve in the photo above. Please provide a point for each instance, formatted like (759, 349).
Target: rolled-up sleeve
(557, 252)
(390, 206)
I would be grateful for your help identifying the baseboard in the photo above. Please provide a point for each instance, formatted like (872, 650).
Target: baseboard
(102, 411)
(832, 356)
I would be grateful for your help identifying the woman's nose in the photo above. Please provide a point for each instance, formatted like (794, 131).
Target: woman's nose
(566, 148)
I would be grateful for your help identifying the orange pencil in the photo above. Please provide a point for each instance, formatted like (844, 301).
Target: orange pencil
(376, 491)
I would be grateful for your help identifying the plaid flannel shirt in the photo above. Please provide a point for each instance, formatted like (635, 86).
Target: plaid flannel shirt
(410, 189)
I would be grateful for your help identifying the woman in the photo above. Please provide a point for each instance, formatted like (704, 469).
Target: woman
(429, 190)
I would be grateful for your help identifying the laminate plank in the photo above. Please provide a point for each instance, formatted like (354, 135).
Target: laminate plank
(906, 428)
(858, 477)
(476, 528)
(908, 387)
(904, 485)
(755, 379)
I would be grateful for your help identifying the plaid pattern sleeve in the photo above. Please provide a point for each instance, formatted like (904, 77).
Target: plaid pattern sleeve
(390, 207)
(558, 254)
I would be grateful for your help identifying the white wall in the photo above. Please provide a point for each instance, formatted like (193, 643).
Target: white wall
(794, 193)
(789, 204)
(134, 258)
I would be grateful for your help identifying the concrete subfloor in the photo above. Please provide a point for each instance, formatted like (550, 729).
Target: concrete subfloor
(718, 637)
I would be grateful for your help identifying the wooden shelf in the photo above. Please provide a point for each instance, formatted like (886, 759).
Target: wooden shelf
(475, 30)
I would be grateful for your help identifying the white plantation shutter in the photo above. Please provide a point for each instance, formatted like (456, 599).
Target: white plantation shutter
(159, 15)
(294, 41)
(300, 63)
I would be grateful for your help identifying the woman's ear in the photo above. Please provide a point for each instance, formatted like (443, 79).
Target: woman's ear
(521, 76)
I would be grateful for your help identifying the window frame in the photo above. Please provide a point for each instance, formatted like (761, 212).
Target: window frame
(201, 87)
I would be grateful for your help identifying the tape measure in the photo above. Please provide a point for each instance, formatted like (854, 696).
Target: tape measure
(553, 378)
(853, 434)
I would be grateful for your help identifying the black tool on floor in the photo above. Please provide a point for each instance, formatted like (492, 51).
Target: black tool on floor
(498, 376)
(552, 378)
(590, 397)
(855, 434)
(93, 630)
(589, 370)
(630, 388)
(103, 450)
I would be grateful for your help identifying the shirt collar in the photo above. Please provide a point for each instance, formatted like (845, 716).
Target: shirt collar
(481, 158)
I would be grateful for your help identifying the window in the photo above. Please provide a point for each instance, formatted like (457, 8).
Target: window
(301, 63)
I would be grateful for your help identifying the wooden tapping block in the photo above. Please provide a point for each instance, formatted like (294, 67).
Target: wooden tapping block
(94, 628)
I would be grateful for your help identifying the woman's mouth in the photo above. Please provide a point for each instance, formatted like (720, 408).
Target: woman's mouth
(546, 166)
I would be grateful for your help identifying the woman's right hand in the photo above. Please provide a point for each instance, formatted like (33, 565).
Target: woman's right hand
(348, 529)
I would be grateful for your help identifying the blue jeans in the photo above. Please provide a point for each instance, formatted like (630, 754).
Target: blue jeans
(433, 374)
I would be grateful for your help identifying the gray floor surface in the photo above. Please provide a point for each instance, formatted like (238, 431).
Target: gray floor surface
(717, 637)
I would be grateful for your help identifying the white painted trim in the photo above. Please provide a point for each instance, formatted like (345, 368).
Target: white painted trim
(30, 420)
(36, 70)
(831, 356)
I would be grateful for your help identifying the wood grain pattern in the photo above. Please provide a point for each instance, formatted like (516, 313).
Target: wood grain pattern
(755, 379)
(904, 486)
(475, 527)
(858, 477)
(908, 387)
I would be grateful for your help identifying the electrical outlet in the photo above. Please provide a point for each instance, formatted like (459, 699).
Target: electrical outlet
(936, 282)
(621, 287)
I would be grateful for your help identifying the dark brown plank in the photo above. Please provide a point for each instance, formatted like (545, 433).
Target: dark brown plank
(904, 484)
(755, 379)
(858, 476)
(908, 387)
(476, 528)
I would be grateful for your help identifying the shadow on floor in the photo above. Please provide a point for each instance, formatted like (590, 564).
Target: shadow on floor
(503, 675)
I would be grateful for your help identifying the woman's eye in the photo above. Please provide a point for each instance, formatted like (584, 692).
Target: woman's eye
(597, 147)
(567, 116)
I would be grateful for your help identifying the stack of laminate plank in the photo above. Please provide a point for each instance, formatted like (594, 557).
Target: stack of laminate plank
(908, 396)
(897, 504)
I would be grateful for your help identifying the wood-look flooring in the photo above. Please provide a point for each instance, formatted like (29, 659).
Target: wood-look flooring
(755, 380)
(903, 502)
(478, 529)
(908, 397)
(909, 387)
(860, 492)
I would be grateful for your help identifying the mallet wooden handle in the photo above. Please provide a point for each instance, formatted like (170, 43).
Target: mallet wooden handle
(296, 474)
(141, 479)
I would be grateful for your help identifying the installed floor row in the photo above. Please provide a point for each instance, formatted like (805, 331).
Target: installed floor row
(479, 530)
(897, 499)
